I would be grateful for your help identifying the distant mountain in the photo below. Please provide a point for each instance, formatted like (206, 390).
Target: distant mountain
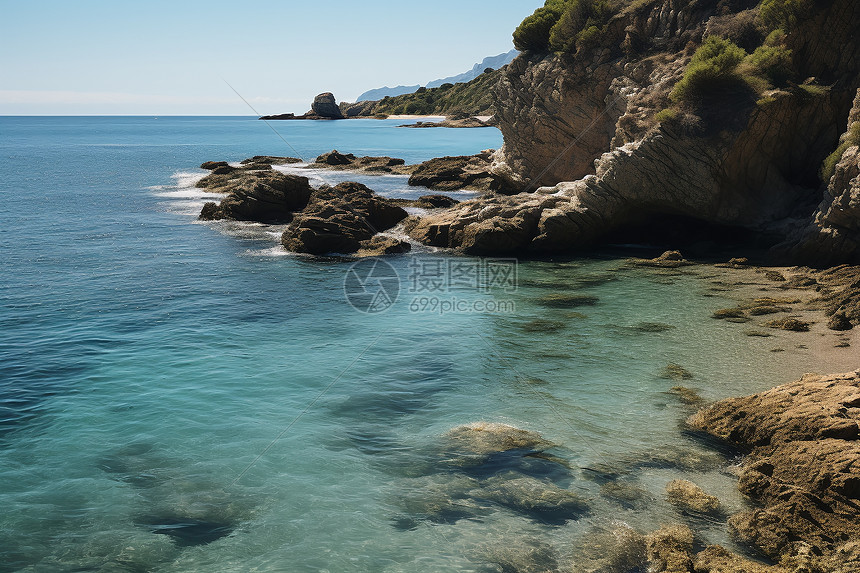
(379, 93)
(494, 62)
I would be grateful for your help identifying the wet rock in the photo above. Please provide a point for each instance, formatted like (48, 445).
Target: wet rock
(335, 157)
(379, 246)
(687, 396)
(371, 164)
(804, 464)
(839, 322)
(791, 324)
(775, 276)
(538, 499)
(435, 201)
(670, 550)
(541, 325)
(211, 165)
(337, 220)
(688, 496)
(460, 172)
(268, 197)
(717, 559)
(675, 372)
(737, 263)
(668, 260)
(758, 333)
(260, 161)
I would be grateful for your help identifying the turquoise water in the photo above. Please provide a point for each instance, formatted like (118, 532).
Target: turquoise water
(177, 396)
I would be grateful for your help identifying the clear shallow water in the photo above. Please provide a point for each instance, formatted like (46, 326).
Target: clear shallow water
(157, 374)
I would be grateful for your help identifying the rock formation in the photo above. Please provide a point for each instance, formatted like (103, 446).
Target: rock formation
(803, 466)
(346, 218)
(341, 219)
(326, 106)
(585, 141)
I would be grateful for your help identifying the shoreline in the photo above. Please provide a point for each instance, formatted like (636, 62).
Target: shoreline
(779, 308)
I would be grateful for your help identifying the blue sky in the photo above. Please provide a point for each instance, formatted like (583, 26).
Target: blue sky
(169, 57)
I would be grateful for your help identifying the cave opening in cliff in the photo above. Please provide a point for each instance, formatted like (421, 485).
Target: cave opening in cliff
(694, 237)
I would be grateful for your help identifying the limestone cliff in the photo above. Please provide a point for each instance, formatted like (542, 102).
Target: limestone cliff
(586, 142)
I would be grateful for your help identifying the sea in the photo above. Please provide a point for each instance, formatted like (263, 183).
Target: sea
(182, 396)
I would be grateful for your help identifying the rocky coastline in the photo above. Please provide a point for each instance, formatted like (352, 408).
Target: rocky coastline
(596, 144)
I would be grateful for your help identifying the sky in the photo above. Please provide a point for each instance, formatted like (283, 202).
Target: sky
(159, 57)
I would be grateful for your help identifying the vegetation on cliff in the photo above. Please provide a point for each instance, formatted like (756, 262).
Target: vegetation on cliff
(469, 98)
(563, 26)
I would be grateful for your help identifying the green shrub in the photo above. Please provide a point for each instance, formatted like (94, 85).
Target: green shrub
(532, 35)
(714, 66)
(667, 114)
(784, 14)
(579, 25)
(771, 62)
(850, 139)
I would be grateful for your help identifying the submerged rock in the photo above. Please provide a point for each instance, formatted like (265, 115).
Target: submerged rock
(675, 372)
(621, 549)
(540, 500)
(519, 556)
(688, 496)
(670, 550)
(482, 438)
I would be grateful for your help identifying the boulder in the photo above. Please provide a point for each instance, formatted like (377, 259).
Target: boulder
(337, 220)
(326, 106)
(267, 197)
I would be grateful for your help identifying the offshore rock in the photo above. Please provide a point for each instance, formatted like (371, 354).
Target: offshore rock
(670, 549)
(264, 196)
(337, 220)
(326, 106)
(689, 497)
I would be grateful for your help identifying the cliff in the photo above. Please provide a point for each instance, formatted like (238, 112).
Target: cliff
(625, 127)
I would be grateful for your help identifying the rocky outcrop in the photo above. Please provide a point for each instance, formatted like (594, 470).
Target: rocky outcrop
(803, 466)
(461, 172)
(264, 196)
(349, 162)
(326, 106)
(586, 128)
(340, 219)
(834, 233)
